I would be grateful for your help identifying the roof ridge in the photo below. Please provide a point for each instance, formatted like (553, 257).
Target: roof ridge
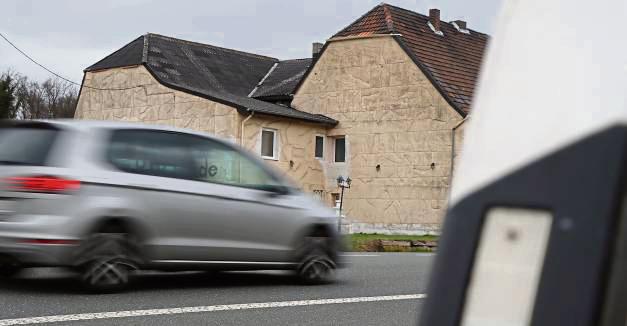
(388, 17)
(145, 49)
(301, 59)
(263, 78)
(283, 82)
(427, 17)
(360, 18)
(170, 38)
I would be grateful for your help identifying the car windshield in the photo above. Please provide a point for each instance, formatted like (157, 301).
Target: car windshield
(26, 145)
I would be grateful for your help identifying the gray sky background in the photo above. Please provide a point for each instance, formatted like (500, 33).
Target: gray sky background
(69, 35)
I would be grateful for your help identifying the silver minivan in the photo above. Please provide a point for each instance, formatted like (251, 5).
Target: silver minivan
(107, 199)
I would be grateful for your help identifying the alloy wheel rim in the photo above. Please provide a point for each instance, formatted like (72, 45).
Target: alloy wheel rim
(317, 269)
(109, 272)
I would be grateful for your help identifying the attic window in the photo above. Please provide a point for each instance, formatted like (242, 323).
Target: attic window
(433, 29)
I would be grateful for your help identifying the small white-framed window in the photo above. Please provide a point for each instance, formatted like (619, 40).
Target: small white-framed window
(269, 144)
(319, 147)
(340, 150)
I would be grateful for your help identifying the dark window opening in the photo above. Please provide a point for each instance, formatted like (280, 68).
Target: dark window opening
(340, 150)
(319, 147)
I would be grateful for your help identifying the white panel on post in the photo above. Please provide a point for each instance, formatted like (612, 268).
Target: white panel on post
(507, 267)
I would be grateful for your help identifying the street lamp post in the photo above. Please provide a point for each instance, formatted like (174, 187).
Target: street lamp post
(342, 184)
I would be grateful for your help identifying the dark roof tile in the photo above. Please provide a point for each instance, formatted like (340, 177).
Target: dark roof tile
(223, 75)
(282, 79)
(128, 55)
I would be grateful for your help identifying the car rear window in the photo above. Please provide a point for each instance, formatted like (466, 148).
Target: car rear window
(27, 144)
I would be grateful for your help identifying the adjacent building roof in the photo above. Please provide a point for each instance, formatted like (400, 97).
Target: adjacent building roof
(128, 55)
(219, 74)
(451, 60)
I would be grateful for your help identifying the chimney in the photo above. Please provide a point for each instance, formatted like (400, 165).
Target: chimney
(434, 19)
(315, 49)
(461, 24)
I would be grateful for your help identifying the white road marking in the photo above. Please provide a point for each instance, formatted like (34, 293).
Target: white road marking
(360, 255)
(186, 310)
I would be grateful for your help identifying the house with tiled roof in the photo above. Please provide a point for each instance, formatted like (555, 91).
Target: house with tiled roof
(383, 102)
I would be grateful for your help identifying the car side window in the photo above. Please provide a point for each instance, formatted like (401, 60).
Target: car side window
(150, 152)
(183, 156)
(219, 163)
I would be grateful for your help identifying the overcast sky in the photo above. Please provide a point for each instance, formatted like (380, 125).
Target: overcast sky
(69, 35)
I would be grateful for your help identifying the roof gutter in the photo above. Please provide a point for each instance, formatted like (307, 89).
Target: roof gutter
(80, 92)
(240, 108)
(353, 37)
(453, 130)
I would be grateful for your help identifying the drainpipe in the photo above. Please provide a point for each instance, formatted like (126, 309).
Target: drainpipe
(450, 179)
(241, 141)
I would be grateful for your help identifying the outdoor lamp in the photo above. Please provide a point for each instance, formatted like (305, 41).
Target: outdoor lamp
(342, 184)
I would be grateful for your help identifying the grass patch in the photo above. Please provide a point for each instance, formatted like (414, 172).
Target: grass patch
(367, 242)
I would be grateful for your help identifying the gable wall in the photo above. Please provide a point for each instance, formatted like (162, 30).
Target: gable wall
(392, 116)
(148, 101)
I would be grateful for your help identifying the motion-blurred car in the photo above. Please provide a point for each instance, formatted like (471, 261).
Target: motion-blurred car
(107, 199)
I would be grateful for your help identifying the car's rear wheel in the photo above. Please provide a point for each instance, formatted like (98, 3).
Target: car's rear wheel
(316, 265)
(8, 270)
(106, 261)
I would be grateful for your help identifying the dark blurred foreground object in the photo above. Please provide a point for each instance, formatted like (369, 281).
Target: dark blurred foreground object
(536, 233)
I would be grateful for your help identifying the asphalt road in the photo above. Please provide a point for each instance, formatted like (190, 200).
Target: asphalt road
(377, 289)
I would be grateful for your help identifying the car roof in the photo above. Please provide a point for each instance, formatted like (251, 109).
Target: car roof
(103, 124)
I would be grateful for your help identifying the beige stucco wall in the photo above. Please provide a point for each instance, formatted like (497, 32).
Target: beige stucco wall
(296, 143)
(147, 101)
(392, 116)
(460, 132)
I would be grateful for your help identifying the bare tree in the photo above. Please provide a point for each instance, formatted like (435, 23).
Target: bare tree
(53, 99)
(60, 97)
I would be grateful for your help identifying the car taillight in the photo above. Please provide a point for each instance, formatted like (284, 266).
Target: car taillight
(48, 184)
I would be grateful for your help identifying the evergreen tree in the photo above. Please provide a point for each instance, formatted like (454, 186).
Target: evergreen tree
(7, 96)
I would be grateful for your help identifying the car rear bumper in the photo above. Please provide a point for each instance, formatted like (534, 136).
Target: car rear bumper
(20, 251)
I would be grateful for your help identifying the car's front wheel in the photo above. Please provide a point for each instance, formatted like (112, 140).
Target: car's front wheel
(8, 270)
(316, 265)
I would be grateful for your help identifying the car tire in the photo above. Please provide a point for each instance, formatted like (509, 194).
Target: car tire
(9, 270)
(106, 261)
(316, 265)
